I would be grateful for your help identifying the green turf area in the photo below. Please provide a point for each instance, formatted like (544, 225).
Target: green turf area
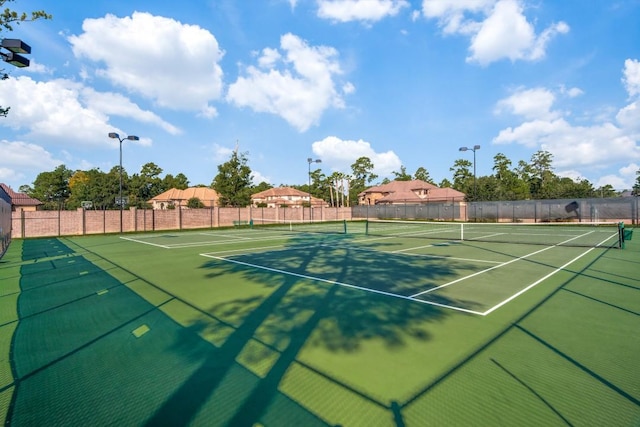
(261, 327)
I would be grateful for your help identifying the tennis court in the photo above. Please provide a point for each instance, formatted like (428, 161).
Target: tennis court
(358, 323)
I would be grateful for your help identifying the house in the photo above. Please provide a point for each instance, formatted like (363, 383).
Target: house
(408, 192)
(20, 201)
(175, 198)
(285, 196)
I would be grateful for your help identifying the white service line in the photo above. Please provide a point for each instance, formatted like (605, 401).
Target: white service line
(226, 235)
(333, 282)
(495, 267)
(537, 282)
(145, 243)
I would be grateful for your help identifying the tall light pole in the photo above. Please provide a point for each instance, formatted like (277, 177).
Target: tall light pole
(130, 138)
(309, 161)
(475, 188)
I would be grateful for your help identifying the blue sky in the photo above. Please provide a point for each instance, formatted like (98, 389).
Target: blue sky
(403, 82)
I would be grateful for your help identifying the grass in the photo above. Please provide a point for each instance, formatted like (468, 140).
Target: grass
(232, 344)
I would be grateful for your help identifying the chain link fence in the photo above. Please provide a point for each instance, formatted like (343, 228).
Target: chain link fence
(617, 209)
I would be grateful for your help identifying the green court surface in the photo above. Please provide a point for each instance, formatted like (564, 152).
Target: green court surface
(266, 327)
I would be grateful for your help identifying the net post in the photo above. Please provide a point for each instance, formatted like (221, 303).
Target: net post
(344, 221)
(462, 231)
(366, 227)
(621, 235)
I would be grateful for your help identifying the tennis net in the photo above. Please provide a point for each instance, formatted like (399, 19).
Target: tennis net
(585, 234)
(299, 226)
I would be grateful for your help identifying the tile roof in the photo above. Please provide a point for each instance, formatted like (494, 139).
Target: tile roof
(279, 192)
(205, 194)
(398, 186)
(20, 199)
(412, 192)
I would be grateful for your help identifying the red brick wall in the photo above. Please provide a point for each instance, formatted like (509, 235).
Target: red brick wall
(80, 222)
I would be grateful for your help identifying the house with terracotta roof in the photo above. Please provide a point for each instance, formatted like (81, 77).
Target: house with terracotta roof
(408, 192)
(285, 196)
(20, 201)
(174, 198)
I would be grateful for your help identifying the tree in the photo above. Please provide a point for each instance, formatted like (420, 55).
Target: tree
(402, 175)
(606, 191)
(542, 179)
(423, 175)
(445, 183)
(462, 176)
(180, 181)
(195, 203)
(79, 185)
(111, 186)
(339, 188)
(146, 185)
(636, 186)
(362, 175)
(52, 188)
(508, 185)
(233, 181)
(263, 186)
(7, 18)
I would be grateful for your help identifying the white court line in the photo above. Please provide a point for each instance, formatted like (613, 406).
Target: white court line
(226, 235)
(542, 279)
(487, 236)
(145, 243)
(480, 261)
(208, 243)
(333, 282)
(517, 294)
(403, 251)
(495, 267)
(250, 251)
(535, 283)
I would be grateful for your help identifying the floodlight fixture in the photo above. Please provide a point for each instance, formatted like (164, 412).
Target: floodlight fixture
(15, 47)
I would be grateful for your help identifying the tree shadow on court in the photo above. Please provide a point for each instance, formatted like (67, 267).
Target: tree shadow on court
(315, 297)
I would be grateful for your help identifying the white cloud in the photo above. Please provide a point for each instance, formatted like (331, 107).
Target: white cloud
(359, 10)
(624, 180)
(172, 63)
(257, 178)
(631, 77)
(68, 111)
(115, 104)
(629, 119)
(299, 91)
(573, 92)
(500, 30)
(592, 148)
(19, 158)
(506, 33)
(530, 103)
(451, 13)
(340, 154)
(269, 58)
(221, 154)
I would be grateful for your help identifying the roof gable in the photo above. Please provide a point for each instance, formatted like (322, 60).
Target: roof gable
(202, 193)
(20, 199)
(398, 186)
(279, 192)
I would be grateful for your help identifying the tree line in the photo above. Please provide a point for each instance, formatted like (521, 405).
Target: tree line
(63, 188)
